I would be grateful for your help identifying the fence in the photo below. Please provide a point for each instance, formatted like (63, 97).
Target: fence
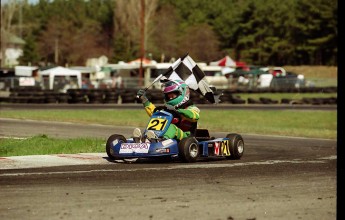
(7, 83)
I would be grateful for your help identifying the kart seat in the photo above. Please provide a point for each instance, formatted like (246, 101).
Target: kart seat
(202, 135)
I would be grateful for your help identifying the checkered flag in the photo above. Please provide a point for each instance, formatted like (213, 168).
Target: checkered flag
(187, 70)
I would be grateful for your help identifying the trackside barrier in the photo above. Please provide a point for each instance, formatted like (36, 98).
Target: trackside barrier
(118, 96)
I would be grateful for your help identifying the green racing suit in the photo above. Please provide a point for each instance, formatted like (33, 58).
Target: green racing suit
(189, 117)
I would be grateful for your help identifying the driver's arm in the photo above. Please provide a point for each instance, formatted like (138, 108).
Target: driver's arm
(192, 113)
(149, 107)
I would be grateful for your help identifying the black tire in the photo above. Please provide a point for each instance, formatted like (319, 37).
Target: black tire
(253, 101)
(236, 146)
(188, 149)
(109, 145)
(238, 101)
(286, 101)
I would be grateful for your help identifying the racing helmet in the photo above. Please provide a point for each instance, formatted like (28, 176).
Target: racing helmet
(176, 92)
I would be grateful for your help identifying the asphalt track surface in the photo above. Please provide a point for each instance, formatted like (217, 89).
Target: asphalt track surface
(277, 178)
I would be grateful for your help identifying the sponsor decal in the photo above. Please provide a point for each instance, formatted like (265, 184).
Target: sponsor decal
(216, 148)
(163, 150)
(167, 142)
(134, 148)
(26, 81)
(225, 148)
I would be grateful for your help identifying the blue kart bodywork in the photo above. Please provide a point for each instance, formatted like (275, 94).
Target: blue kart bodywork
(199, 144)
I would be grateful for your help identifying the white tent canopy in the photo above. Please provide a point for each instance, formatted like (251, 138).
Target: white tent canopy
(227, 70)
(60, 71)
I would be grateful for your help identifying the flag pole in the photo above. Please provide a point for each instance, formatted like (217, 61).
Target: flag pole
(154, 81)
(164, 74)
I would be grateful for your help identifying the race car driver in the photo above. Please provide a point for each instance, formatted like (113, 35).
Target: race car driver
(176, 97)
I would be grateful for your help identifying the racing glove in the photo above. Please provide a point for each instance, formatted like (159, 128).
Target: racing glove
(141, 94)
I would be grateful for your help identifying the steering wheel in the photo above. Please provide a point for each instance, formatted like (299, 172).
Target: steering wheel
(175, 113)
(159, 108)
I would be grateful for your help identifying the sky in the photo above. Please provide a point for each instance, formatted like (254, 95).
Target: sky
(30, 1)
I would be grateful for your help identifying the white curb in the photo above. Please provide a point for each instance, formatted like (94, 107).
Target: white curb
(37, 161)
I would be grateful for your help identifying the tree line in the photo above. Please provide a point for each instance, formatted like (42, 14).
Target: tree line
(259, 32)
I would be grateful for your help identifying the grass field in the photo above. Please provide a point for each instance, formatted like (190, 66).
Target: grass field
(321, 124)
(44, 145)
(280, 96)
(322, 72)
(320, 76)
(316, 124)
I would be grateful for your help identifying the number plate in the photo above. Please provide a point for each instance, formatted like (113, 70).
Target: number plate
(225, 148)
(157, 124)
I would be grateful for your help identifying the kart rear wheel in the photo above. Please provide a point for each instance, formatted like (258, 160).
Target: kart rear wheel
(188, 149)
(236, 146)
(110, 143)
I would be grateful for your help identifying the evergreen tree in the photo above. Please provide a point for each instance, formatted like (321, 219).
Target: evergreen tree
(30, 53)
(263, 32)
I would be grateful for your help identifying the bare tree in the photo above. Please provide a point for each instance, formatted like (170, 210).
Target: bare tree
(127, 21)
(74, 45)
(150, 11)
(7, 12)
(165, 34)
(201, 42)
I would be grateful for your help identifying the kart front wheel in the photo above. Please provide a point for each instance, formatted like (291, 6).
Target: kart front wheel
(112, 140)
(236, 146)
(188, 149)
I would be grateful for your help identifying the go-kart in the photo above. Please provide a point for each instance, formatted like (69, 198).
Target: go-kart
(198, 145)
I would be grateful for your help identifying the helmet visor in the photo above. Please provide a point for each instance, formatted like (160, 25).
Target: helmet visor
(171, 95)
